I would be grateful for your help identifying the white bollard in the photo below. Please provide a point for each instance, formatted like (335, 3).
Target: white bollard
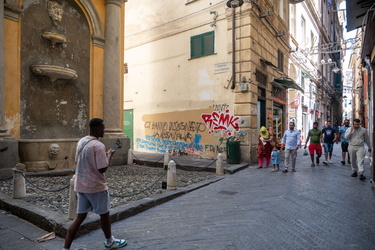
(166, 161)
(130, 157)
(219, 165)
(19, 186)
(171, 176)
(72, 210)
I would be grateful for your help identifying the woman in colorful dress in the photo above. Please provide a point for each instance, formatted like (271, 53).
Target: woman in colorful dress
(264, 147)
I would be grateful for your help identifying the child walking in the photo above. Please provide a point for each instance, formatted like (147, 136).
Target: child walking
(275, 159)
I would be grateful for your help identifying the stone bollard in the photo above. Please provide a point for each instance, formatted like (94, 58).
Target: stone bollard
(166, 160)
(72, 210)
(171, 176)
(130, 157)
(219, 165)
(19, 186)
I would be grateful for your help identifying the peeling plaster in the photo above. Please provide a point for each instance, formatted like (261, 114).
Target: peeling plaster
(12, 123)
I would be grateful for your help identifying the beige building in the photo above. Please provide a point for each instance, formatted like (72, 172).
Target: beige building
(186, 92)
(316, 36)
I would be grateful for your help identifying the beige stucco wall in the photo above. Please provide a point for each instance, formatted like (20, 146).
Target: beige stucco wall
(164, 85)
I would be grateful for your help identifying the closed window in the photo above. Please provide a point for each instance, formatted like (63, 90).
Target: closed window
(280, 60)
(202, 45)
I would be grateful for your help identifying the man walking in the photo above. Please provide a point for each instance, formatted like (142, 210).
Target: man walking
(92, 191)
(357, 136)
(329, 135)
(316, 136)
(344, 141)
(291, 142)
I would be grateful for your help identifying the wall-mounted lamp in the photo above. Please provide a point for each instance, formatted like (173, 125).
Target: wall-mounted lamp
(263, 15)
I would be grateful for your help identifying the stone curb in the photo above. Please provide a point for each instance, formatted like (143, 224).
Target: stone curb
(52, 221)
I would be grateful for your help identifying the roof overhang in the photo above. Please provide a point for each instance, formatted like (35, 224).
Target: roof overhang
(355, 12)
(288, 84)
(369, 39)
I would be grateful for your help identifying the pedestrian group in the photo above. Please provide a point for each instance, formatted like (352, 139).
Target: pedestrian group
(353, 140)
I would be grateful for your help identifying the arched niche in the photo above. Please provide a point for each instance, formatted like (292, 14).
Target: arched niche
(13, 8)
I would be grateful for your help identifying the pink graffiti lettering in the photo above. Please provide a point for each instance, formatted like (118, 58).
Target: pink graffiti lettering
(221, 121)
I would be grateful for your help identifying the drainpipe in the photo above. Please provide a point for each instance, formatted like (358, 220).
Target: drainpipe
(233, 48)
(373, 125)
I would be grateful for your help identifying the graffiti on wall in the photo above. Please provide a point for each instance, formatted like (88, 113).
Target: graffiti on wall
(221, 121)
(173, 136)
(194, 132)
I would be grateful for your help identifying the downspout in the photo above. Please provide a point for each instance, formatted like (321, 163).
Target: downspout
(373, 123)
(233, 48)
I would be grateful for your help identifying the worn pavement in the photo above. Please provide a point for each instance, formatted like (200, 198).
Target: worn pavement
(314, 208)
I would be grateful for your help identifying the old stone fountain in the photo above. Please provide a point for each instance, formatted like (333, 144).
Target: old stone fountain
(63, 63)
(54, 116)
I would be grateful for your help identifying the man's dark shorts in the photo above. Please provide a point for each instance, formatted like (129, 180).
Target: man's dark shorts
(344, 146)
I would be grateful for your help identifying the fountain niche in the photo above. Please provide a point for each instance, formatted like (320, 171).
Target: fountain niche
(55, 83)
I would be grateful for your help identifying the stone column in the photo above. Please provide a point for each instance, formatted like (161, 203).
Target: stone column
(112, 106)
(3, 129)
(8, 145)
(112, 92)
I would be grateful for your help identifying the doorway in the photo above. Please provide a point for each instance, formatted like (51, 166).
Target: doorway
(129, 125)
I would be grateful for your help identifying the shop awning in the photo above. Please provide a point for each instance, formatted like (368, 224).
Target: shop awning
(356, 11)
(288, 84)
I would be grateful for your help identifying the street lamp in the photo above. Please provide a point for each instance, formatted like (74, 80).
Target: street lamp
(330, 62)
(234, 4)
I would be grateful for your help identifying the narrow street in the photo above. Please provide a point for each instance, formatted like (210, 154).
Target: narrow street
(321, 207)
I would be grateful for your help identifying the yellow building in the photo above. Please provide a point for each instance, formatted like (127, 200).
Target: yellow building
(200, 71)
(62, 65)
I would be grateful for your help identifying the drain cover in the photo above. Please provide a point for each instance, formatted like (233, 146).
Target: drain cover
(228, 192)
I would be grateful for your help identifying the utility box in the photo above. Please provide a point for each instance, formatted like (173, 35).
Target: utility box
(233, 150)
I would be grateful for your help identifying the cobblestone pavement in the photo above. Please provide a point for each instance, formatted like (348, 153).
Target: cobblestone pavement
(314, 208)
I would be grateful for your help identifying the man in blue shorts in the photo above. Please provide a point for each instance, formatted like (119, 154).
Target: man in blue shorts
(92, 190)
(329, 137)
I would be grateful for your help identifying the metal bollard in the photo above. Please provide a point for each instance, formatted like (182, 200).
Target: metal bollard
(72, 210)
(171, 176)
(19, 186)
(166, 160)
(219, 165)
(130, 157)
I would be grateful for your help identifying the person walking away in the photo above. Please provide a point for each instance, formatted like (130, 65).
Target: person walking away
(92, 161)
(275, 159)
(291, 141)
(329, 136)
(344, 141)
(316, 136)
(264, 147)
(357, 137)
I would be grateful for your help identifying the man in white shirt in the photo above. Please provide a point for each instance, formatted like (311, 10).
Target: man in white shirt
(357, 137)
(291, 142)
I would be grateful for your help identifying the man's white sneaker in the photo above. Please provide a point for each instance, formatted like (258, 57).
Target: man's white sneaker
(116, 243)
(329, 161)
